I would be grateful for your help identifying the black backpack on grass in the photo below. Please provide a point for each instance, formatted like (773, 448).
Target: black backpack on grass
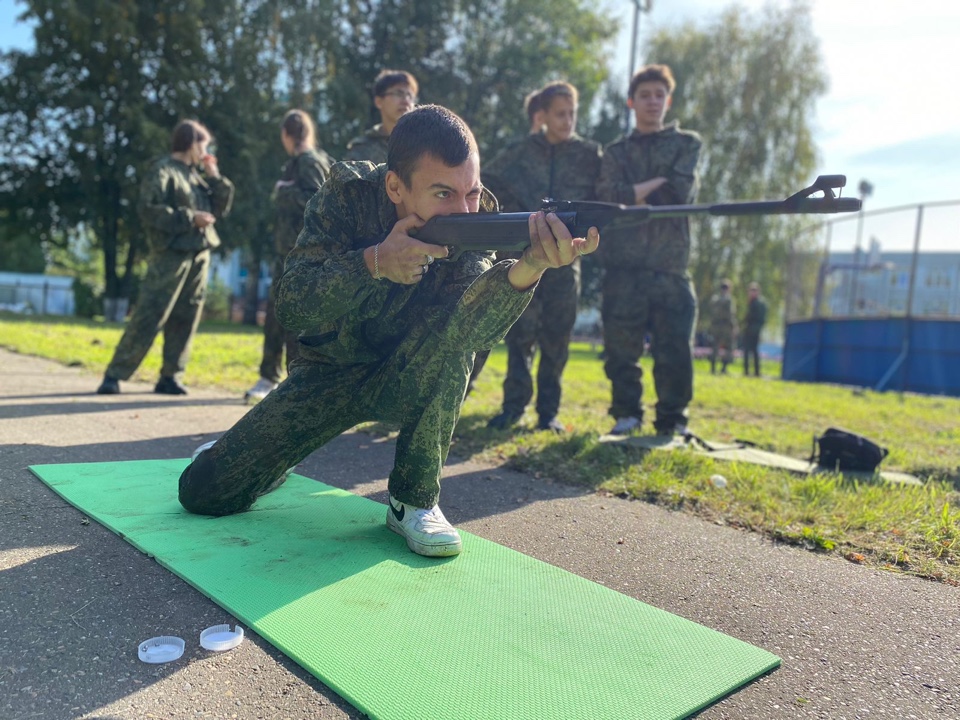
(841, 450)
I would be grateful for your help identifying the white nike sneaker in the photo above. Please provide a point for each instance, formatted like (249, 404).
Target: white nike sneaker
(259, 391)
(270, 488)
(426, 530)
(626, 426)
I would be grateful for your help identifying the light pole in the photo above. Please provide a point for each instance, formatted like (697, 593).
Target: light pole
(865, 190)
(638, 7)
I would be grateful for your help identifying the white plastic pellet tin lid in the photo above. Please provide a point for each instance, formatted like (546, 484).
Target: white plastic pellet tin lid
(165, 648)
(220, 637)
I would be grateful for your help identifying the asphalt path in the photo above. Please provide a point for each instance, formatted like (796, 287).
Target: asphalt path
(75, 599)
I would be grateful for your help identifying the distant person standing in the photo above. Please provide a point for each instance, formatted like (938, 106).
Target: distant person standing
(752, 326)
(723, 327)
(552, 163)
(646, 287)
(178, 207)
(394, 95)
(303, 174)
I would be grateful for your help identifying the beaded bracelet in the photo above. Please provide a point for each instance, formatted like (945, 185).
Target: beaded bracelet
(376, 261)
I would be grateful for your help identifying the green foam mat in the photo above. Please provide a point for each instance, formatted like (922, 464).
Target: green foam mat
(490, 635)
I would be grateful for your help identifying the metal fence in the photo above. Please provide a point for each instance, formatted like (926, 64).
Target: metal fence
(894, 262)
(32, 297)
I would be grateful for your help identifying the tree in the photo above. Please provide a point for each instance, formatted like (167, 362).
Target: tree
(748, 83)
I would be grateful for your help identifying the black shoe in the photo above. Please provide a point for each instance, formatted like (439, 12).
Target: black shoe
(503, 421)
(169, 386)
(109, 386)
(551, 424)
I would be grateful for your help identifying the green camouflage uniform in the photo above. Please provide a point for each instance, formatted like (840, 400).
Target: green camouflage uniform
(172, 293)
(370, 351)
(645, 284)
(307, 171)
(723, 329)
(521, 176)
(372, 146)
(752, 325)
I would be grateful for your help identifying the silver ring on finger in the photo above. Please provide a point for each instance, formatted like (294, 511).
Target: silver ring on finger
(424, 268)
(429, 259)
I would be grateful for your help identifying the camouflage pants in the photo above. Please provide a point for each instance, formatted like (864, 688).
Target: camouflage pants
(722, 338)
(546, 323)
(419, 387)
(275, 336)
(171, 300)
(635, 302)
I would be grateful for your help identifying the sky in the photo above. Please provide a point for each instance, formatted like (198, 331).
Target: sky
(889, 116)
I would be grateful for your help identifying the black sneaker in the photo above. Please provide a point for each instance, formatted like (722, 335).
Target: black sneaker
(109, 386)
(551, 424)
(503, 421)
(169, 386)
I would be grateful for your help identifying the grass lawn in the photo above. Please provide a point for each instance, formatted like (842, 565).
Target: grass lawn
(906, 529)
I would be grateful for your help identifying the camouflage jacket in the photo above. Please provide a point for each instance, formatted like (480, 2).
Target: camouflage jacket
(664, 244)
(372, 146)
(756, 315)
(306, 171)
(171, 194)
(532, 169)
(344, 314)
(722, 312)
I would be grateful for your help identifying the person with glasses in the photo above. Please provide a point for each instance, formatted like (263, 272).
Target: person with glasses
(394, 95)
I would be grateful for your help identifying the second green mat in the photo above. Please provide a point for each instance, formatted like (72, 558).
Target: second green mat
(489, 635)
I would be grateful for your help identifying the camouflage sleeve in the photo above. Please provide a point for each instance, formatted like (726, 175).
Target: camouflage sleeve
(325, 276)
(154, 208)
(221, 195)
(682, 179)
(311, 172)
(614, 184)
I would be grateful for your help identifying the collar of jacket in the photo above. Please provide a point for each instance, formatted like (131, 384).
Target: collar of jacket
(669, 129)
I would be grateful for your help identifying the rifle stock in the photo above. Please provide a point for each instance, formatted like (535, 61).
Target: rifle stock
(463, 232)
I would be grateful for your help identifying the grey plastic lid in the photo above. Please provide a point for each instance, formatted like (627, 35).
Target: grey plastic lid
(219, 638)
(165, 648)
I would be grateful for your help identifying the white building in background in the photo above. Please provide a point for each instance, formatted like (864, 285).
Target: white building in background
(877, 284)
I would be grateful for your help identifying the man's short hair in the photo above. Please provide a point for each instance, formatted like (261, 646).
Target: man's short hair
(428, 130)
(533, 103)
(754, 286)
(557, 89)
(652, 73)
(391, 78)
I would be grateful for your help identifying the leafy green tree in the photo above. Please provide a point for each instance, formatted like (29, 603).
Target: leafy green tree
(748, 83)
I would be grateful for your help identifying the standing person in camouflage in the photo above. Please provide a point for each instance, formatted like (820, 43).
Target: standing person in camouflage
(387, 334)
(532, 105)
(723, 327)
(555, 163)
(302, 176)
(394, 95)
(178, 208)
(645, 283)
(752, 326)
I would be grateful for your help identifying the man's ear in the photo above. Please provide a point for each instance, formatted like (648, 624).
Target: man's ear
(393, 182)
(630, 102)
(669, 101)
(378, 102)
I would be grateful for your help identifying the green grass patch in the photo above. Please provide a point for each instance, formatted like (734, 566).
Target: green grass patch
(901, 528)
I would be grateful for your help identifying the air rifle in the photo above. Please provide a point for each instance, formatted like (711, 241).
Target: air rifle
(464, 232)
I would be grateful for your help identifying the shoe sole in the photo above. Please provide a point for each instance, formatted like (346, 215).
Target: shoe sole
(439, 550)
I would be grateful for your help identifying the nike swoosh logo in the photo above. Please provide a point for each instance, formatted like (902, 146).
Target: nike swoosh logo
(398, 514)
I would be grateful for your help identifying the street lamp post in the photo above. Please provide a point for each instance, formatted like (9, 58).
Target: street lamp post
(865, 190)
(638, 7)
